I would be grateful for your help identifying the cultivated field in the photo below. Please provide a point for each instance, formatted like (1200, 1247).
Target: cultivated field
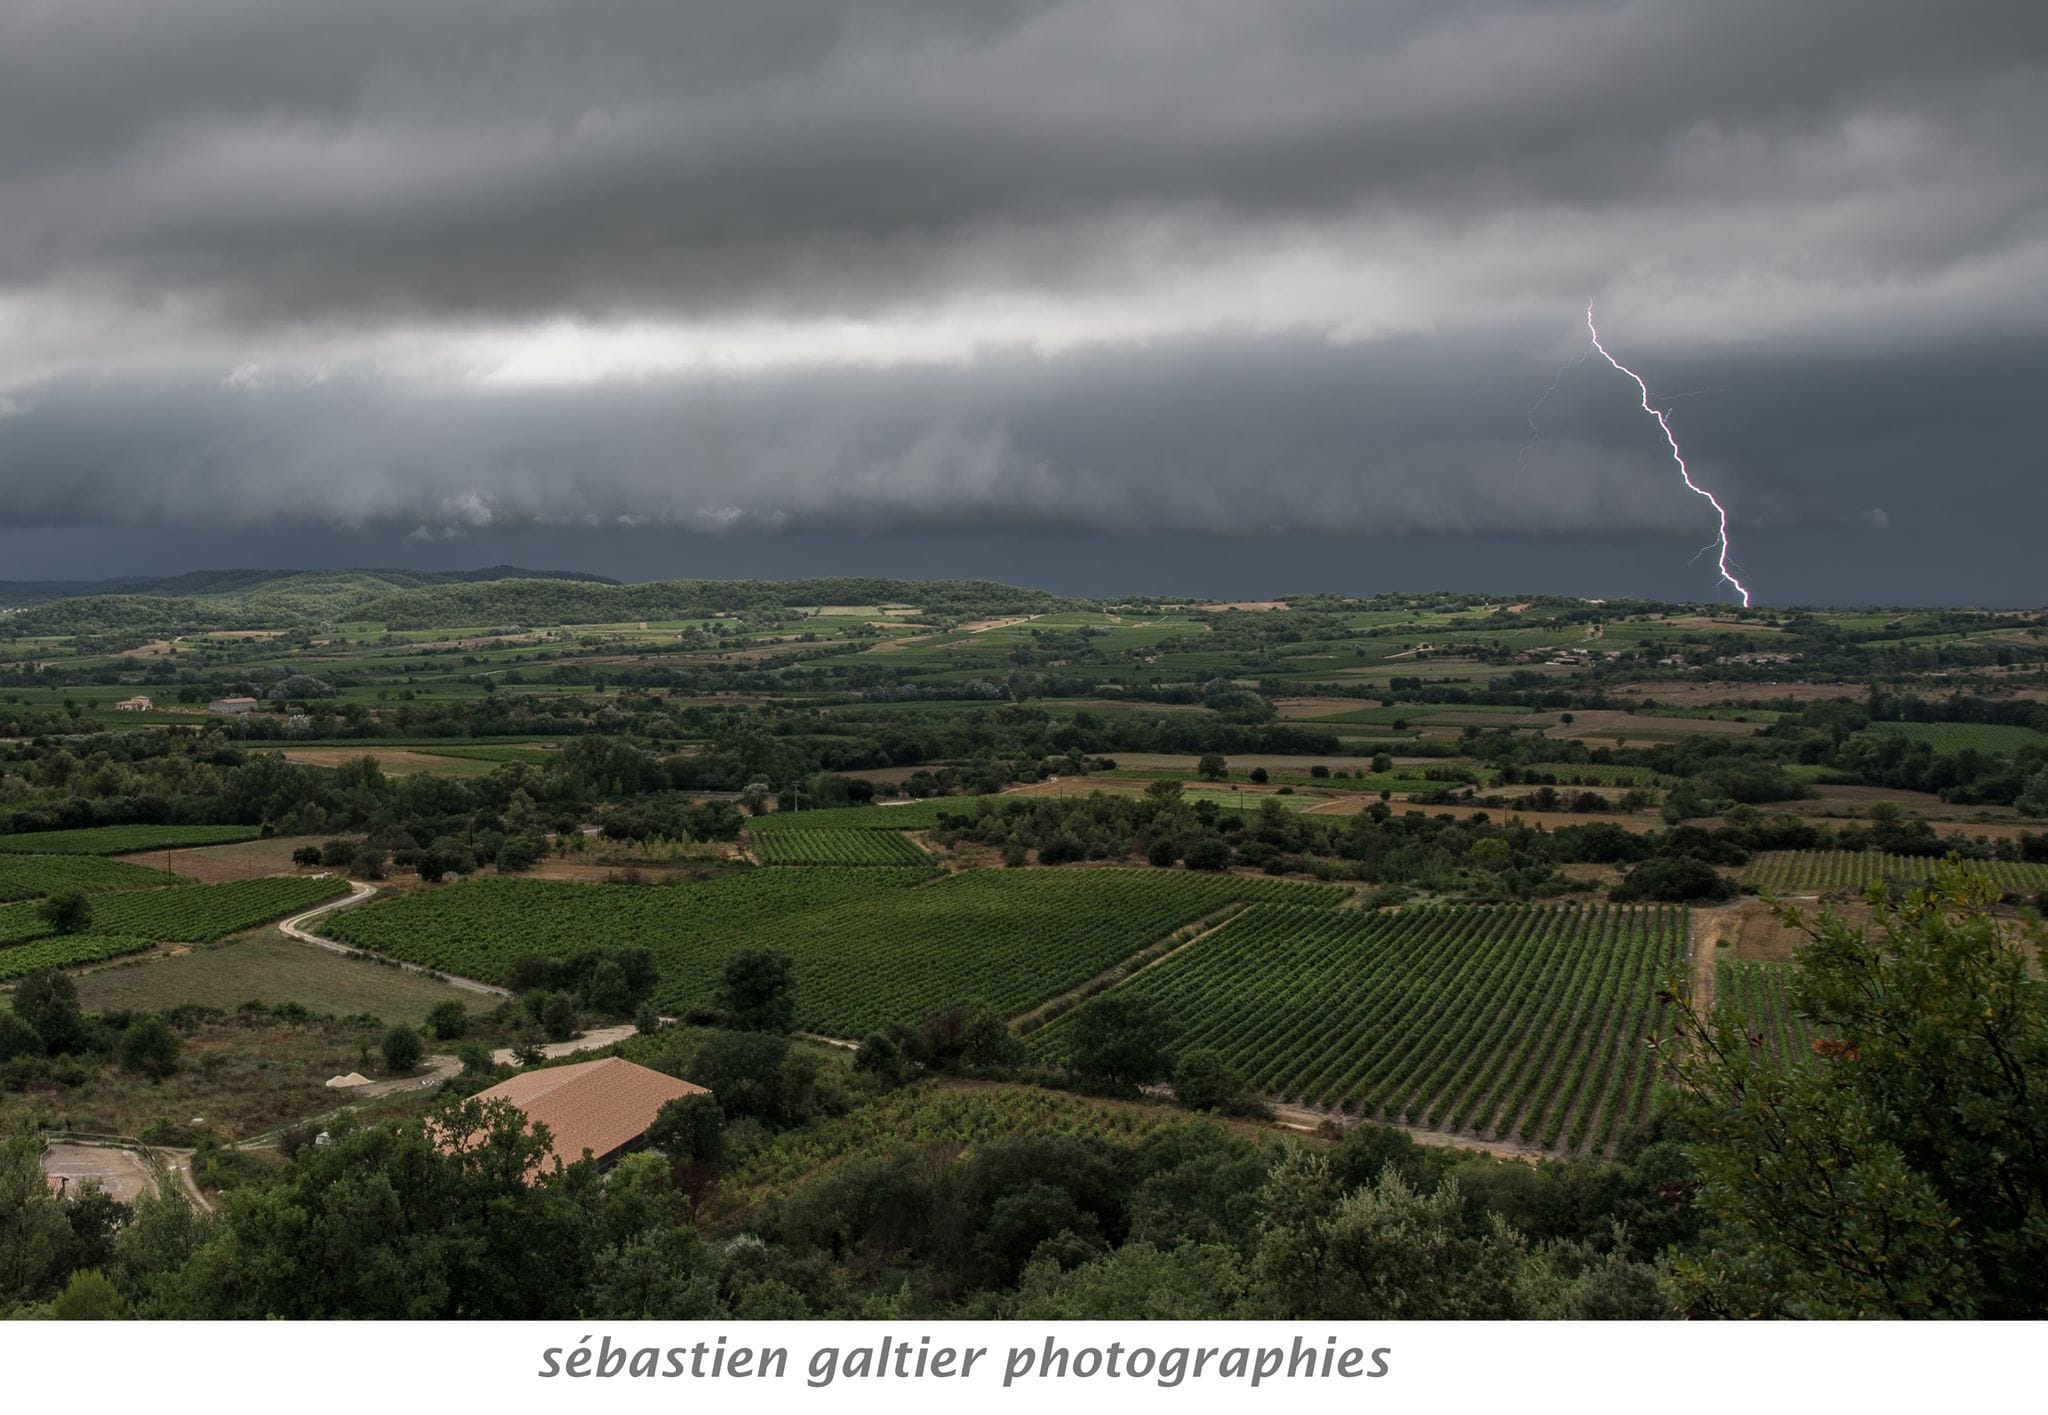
(1525, 1023)
(122, 839)
(1825, 871)
(1759, 994)
(869, 947)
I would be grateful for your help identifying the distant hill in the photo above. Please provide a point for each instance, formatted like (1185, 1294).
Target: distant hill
(499, 595)
(232, 599)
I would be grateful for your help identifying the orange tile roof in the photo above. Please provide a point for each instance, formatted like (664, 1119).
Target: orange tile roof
(599, 1106)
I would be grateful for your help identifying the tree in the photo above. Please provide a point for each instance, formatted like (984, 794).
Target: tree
(1208, 853)
(1681, 879)
(880, 1057)
(68, 911)
(1259, 775)
(35, 1238)
(758, 991)
(402, 1048)
(17, 1038)
(48, 1003)
(89, 1297)
(1121, 1041)
(689, 1128)
(150, 1047)
(368, 863)
(558, 1016)
(1902, 1169)
(306, 855)
(448, 1020)
(1203, 1080)
(755, 1074)
(1212, 766)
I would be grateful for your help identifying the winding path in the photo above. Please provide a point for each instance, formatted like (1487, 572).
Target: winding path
(296, 927)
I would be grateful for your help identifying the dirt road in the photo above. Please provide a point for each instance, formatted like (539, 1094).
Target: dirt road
(297, 927)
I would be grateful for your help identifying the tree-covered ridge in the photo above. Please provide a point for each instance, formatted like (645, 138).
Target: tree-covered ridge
(419, 600)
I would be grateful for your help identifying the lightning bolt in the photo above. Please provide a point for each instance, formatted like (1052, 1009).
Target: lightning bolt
(1522, 457)
(1677, 456)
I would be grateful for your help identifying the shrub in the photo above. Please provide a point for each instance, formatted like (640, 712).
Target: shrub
(402, 1048)
(150, 1047)
(448, 1021)
(68, 911)
(306, 855)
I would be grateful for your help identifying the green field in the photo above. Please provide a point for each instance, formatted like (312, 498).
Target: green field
(840, 846)
(32, 876)
(196, 913)
(911, 815)
(1760, 994)
(868, 947)
(124, 839)
(1506, 1022)
(1991, 738)
(269, 970)
(65, 951)
(1805, 871)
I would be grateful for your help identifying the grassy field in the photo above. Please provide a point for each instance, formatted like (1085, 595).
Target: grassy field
(269, 970)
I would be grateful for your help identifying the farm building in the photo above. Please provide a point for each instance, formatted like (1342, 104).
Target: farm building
(134, 704)
(232, 706)
(599, 1108)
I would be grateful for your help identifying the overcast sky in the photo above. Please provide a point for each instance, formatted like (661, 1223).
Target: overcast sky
(1104, 295)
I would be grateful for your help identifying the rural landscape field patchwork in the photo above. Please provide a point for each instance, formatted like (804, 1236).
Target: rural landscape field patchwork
(1032, 948)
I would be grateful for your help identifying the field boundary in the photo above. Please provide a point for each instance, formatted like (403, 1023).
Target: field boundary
(295, 928)
(1122, 972)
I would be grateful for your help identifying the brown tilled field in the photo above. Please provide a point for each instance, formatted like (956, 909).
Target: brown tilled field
(218, 864)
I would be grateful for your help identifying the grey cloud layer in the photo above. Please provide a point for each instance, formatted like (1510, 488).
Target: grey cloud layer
(286, 160)
(1347, 243)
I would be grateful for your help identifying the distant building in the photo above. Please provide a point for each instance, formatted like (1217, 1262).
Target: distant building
(135, 704)
(233, 707)
(599, 1108)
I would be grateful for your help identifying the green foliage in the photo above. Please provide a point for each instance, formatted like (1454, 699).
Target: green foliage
(89, 1296)
(447, 1020)
(1680, 879)
(758, 991)
(48, 1003)
(401, 1049)
(149, 1046)
(1121, 1040)
(1901, 1170)
(1203, 1080)
(68, 911)
(689, 1128)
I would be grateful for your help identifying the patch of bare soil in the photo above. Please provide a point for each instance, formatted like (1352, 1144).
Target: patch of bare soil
(218, 864)
(392, 761)
(1249, 606)
(1310, 709)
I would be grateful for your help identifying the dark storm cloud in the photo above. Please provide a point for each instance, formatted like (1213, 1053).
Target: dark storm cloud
(990, 268)
(318, 159)
(1276, 435)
